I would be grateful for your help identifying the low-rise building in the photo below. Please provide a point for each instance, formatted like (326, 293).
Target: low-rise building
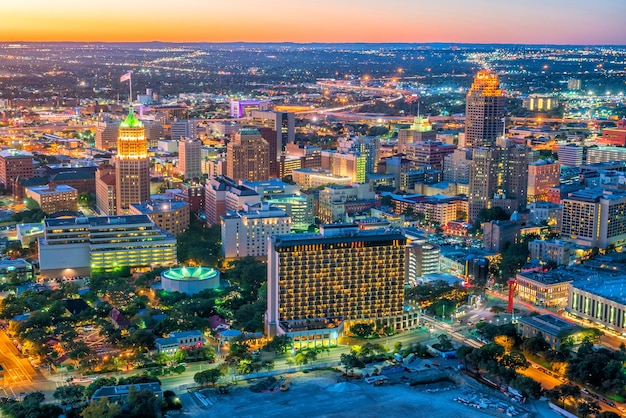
(182, 340)
(546, 289)
(551, 327)
(120, 393)
(14, 271)
(601, 300)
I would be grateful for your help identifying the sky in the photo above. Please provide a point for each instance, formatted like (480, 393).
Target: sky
(583, 22)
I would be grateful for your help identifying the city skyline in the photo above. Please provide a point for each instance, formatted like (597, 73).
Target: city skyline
(555, 22)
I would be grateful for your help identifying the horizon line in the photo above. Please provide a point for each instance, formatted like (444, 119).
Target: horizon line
(314, 43)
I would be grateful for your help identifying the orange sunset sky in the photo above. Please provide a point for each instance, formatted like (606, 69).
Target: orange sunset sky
(460, 21)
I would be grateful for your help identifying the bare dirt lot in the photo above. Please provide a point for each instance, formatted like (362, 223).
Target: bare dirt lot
(325, 394)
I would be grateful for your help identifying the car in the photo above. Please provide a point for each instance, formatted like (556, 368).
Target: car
(585, 390)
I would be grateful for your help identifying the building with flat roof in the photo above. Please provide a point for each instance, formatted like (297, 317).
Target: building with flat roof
(600, 300)
(545, 289)
(169, 215)
(555, 251)
(309, 178)
(420, 130)
(341, 272)
(222, 194)
(550, 326)
(335, 202)
(541, 176)
(13, 164)
(570, 155)
(16, 271)
(181, 340)
(120, 393)
(189, 158)
(594, 217)
(54, 198)
(77, 246)
(498, 234)
(605, 154)
(245, 232)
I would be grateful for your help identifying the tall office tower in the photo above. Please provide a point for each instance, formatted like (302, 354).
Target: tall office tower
(594, 217)
(428, 153)
(189, 158)
(570, 155)
(154, 132)
(132, 164)
(541, 176)
(456, 166)
(183, 129)
(498, 177)
(341, 273)
(106, 196)
(368, 146)
(278, 129)
(13, 164)
(222, 194)
(420, 130)
(247, 156)
(106, 134)
(484, 111)
(350, 165)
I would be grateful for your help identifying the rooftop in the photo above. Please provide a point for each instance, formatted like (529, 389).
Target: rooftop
(548, 324)
(613, 288)
(15, 153)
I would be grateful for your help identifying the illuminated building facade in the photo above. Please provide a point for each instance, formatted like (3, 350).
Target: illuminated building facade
(420, 130)
(77, 246)
(13, 164)
(541, 176)
(189, 158)
(368, 146)
(106, 134)
(599, 300)
(169, 215)
(484, 111)
(247, 156)
(308, 178)
(54, 198)
(340, 273)
(546, 289)
(132, 164)
(570, 155)
(351, 164)
(555, 251)
(605, 154)
(539, 102)
(221, 194)
(594, 217)
(106, 195)
(615, 136)
(246, 232)
(428, 153)
(335, 202)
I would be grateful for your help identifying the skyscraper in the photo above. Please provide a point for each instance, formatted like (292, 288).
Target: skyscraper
(247, 156)
(484, 111)
(189, 158)
(132, 164)
(420, 130)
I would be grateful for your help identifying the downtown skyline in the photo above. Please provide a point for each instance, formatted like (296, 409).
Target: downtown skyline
(576, 22)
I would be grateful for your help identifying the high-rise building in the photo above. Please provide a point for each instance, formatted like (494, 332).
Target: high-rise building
(221, 194)
(368, 146)
(428, 153)
(348, 165)
(183, 129)
(106, 134)
(245, 232)
(278, 129)
(106, 196)
(13, 164)
(484, 111)
(247, 156)
(132, 164)
(339, 273)
(189, 158)
(541, 176)
(456, 166)
(420, 130)
(570, 155)
(594, 217)
(498, 177)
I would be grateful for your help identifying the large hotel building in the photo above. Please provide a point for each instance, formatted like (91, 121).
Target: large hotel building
(77, 246)
(339, 276)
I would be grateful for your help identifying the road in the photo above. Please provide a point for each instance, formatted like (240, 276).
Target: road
(16, 368)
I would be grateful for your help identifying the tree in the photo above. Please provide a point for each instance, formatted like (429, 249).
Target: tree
(97, 384)
(529, 387)
(445, 342)
(515, 360)
(350, 362)
(143, 404)
(70, 395)
(280, 344)
(505, 341)
(535, 345)
(607, 414)
(563, 392)
(101, 408)
(362, 330)
(588, 407)
(211, 376)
